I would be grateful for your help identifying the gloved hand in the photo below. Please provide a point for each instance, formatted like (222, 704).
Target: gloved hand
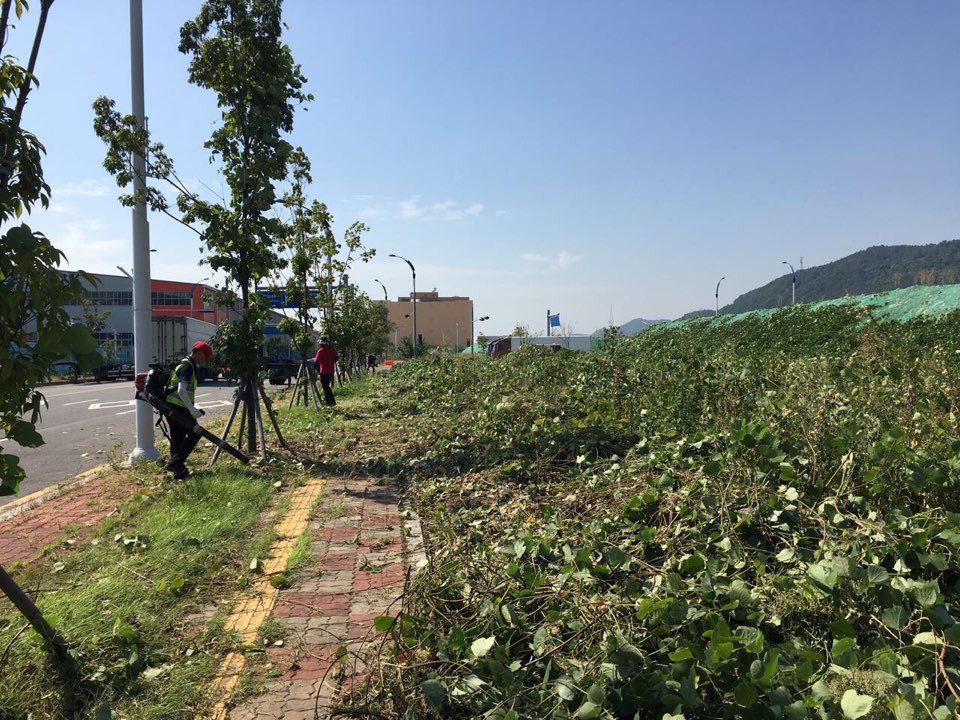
(197, 412)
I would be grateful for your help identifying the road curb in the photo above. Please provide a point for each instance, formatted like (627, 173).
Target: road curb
(33, 499)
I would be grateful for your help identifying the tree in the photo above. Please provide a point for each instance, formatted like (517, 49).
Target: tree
(35, 331)
(359, 326)
(521, 330)
(34, 291)
(305, 223)
(236, 50)
(97, 321)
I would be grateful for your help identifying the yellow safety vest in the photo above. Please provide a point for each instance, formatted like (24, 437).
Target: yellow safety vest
(172, 397)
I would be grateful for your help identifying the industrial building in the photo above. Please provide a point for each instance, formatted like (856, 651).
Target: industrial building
(441, 321)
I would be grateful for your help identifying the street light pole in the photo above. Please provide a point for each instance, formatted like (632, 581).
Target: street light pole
(142, 335)
(413, 298)
(473, 337)
(386, 304)
(193, 292)
(793, 294)
(716, 296)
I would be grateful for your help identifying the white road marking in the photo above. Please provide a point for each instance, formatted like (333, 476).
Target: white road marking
(126, 412)
(75, 392)
(215, 404)
(80, 402)
(114, 404)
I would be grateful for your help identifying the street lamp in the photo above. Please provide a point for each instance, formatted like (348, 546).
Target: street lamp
(386, 304)
(412, 297)
(793, 298)
(716, 295)
(473, 337)
(193, 291)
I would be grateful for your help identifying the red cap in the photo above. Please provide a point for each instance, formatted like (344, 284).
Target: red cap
(204, 348)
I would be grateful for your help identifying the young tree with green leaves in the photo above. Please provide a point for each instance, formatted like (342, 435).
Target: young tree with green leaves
(236, 50)
(33, 292)
(304, 241)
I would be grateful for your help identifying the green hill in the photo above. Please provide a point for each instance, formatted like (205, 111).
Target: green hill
(874, 270)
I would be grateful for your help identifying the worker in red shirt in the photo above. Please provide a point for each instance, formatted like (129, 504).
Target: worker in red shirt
(326, 363)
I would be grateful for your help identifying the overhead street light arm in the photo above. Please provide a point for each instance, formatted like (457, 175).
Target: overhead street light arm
(793, 291)
(413, 299)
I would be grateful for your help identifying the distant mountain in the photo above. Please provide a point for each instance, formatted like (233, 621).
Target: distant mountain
(876, 269)
(633, 327)
(696, 314)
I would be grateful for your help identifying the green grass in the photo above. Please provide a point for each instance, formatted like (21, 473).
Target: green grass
(120, 603)
(301, 555)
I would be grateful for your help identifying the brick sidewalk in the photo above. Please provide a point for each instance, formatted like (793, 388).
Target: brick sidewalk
(362, 554)
(362, 547)
(23, 537)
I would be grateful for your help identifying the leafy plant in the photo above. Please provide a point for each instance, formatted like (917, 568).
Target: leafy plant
(751, 518)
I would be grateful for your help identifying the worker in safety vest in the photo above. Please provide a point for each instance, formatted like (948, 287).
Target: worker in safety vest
(181, 391)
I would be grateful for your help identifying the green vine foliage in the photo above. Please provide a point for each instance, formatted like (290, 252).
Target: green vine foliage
(722, 519)
(32, 289)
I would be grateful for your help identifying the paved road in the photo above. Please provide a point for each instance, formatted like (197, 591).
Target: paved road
(90, 424)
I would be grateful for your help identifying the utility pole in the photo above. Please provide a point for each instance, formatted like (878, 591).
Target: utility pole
(142, 332)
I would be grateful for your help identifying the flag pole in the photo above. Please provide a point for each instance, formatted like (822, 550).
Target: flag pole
(548, 322)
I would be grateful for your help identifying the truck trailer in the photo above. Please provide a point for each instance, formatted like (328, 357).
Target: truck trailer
(504, 345)
(173, 339)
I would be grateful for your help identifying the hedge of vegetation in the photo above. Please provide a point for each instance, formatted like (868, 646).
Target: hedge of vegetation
(744, 519)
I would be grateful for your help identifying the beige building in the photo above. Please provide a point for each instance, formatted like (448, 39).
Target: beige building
(441, 321)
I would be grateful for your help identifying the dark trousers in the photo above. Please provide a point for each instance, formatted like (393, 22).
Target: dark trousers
(327, 382)
(182, 438)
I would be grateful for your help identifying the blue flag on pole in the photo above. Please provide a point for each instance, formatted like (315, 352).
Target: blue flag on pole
(555, 320)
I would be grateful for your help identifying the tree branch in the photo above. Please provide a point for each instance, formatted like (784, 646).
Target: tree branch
(25, 88)
(4, 19)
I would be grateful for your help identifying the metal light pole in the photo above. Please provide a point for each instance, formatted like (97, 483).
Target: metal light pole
(473, 337)
(386, 301)
(142, 337)
(716, 296)
(793, 297)
(193, 290)
(413, 298)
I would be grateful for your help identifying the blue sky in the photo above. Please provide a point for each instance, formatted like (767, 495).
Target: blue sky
(595, 158)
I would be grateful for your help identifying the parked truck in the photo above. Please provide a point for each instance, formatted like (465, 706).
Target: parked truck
(173, 338)
(504, 345)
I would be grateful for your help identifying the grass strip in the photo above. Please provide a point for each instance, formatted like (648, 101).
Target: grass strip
(131, 601)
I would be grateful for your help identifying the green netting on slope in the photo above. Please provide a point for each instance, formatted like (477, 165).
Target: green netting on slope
(899, 305)
(908, 303)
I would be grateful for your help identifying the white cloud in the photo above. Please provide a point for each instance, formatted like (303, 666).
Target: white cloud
(411, 208)
(84, 188)
(414, 208)
(566, 259)
(372, 212)
(562, 261)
